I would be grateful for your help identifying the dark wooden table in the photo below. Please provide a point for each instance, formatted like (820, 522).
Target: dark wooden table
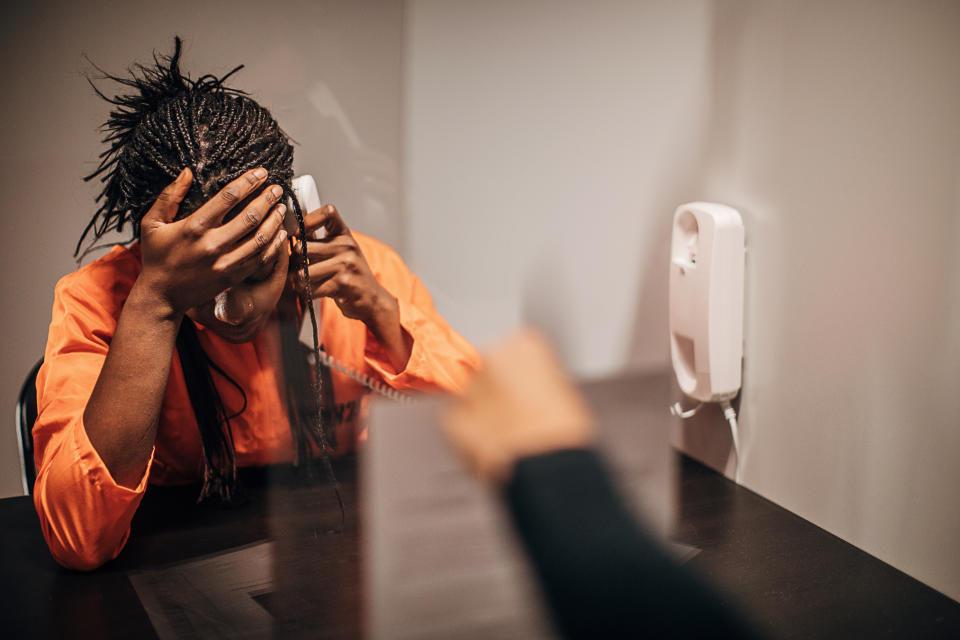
(792, 578)
(316, 569)
(795, 579)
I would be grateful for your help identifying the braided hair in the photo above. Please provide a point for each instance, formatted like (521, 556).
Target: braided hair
(163, 123)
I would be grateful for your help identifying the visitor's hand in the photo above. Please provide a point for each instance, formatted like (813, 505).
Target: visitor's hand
(338, 269)
(520, 404)
(189, 261)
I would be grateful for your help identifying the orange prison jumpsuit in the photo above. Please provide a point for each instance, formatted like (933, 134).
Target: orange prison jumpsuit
(85, 516)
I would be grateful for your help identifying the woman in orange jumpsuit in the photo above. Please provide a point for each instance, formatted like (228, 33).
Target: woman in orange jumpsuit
(147, 379)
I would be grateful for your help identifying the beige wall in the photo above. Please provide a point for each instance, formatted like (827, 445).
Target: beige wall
(552, 141)
(835, 130)
(329, 71)
(546, 139)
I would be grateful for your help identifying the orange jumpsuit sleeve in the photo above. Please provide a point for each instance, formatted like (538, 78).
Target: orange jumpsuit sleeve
(441, 359)
(84, 515)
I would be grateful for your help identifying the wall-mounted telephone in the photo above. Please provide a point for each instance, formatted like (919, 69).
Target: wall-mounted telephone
(706, 307)
(706, 300)
(305, 189)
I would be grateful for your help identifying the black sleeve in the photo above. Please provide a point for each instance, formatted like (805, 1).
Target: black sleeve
(602, 575)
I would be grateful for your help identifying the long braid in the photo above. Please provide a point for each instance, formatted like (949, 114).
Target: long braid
(219, 454)
(307, 300)
(168, 122)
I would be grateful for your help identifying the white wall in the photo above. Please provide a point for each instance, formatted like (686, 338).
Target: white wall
(329, 71)
(547, 144)
(835, 130)
(543, 141)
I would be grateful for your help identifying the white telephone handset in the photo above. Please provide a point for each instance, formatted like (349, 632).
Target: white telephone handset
(305, 188)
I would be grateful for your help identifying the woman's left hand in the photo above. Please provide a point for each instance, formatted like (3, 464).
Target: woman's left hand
(339, 270)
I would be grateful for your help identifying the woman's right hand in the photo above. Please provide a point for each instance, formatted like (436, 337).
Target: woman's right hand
(189, 261)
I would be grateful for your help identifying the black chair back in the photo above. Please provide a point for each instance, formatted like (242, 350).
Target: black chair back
(26, 416)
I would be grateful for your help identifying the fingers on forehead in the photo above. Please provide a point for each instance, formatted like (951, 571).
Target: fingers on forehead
(260, 210)
(235, 193)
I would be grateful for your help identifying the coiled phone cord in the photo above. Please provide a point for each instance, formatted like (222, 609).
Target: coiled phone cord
(374, 385)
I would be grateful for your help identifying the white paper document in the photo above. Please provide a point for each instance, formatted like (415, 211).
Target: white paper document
(441, 560)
